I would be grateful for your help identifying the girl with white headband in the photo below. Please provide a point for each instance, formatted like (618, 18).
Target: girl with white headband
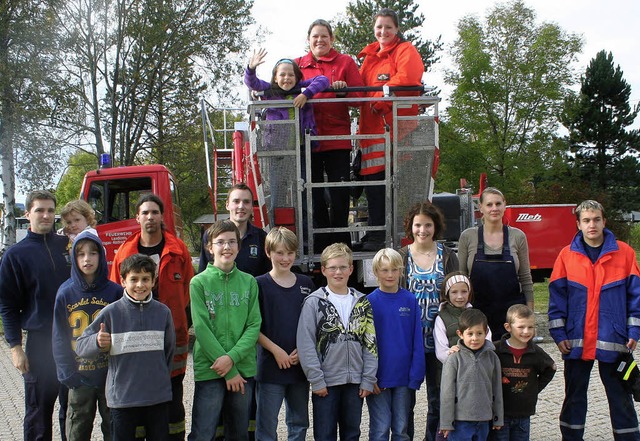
(456, 295)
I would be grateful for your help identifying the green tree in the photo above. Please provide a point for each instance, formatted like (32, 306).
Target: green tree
(604, 148)
(354, 29)
(511, 76)
(78, 165)
(28, 32)
(136, 70)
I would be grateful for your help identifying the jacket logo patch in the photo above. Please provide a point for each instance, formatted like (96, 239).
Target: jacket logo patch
(177, 276)
(384, 77)
(253, 250)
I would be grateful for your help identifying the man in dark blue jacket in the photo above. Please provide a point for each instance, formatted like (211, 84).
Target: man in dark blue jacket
(30, 274)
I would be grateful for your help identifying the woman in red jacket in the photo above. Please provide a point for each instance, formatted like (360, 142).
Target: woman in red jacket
(330, 157)
(393, 61)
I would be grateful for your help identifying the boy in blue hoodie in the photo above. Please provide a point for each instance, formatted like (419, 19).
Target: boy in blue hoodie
(78, 302)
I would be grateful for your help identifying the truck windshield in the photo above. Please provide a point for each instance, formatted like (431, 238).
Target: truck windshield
(115, 200)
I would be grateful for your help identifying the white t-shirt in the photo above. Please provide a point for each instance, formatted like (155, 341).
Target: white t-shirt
(343, 304)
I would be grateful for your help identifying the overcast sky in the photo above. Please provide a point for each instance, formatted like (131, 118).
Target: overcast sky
(611, 25)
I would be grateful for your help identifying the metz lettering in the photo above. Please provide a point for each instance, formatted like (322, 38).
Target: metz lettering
(526, 217)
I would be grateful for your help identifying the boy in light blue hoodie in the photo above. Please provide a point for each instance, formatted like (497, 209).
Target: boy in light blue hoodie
(78, 302)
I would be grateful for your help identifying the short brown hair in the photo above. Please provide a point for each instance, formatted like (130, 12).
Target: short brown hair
(93, 245)
(425, 208)
(150, 197)
(138, 263)
(239, 186)
(587, 205)
(335, 251)
(222, 226)
(41, 195)
(518, 311)
(83, 208)
(472, 317)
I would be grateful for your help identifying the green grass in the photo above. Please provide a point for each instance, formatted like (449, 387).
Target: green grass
(541, 296)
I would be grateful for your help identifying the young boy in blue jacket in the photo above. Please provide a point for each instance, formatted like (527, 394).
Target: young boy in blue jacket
(78, 302)
(139, 335)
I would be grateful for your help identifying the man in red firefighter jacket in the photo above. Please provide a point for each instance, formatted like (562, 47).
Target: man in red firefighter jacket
(175, 271)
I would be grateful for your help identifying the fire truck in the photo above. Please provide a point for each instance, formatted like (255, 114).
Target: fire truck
(267, 156)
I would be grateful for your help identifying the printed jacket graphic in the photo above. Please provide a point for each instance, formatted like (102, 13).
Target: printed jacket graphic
(330, 354)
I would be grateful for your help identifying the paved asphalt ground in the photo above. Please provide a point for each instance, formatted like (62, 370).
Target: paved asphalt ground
(544, 425)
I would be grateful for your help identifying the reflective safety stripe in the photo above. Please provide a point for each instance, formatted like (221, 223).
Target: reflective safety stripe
(630, 369)
(572, 426)
(578, 343)
(608, 346)
(557, 323)
(178, 427)
(633, 321)
(374, 162)
(374, 148)
(181, 350)
(140, 432)
(629, 430)
(178, 364)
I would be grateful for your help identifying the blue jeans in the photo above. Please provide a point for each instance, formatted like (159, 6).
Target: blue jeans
(269, 397)
(210, 399)
(389, 412)
(343, 408)
(514, 429)
(624, 419)
(470, 431)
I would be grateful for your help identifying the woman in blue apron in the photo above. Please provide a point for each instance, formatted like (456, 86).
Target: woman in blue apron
(496, 257)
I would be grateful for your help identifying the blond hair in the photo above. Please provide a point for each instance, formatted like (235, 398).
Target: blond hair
(335, 251)
(387, 256)
(281, 236)
(81, 207)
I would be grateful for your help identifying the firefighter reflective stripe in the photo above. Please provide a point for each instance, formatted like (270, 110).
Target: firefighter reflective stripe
(178, 364)
(633, 321)
(629, 430)
(178, 427)
(557, 323)
(608, 346)
(375, 162)
(572, 426)
(578, 343)
(603, 345)
(373, 159)
(181, 350)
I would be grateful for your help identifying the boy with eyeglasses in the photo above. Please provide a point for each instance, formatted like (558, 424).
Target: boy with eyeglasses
(226, 319)
(337, 349)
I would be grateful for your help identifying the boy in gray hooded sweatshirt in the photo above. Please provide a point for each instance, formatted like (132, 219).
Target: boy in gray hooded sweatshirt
(471, 386)
(336, 343)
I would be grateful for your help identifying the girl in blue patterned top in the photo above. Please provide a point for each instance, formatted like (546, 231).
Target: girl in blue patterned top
(425, 264)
